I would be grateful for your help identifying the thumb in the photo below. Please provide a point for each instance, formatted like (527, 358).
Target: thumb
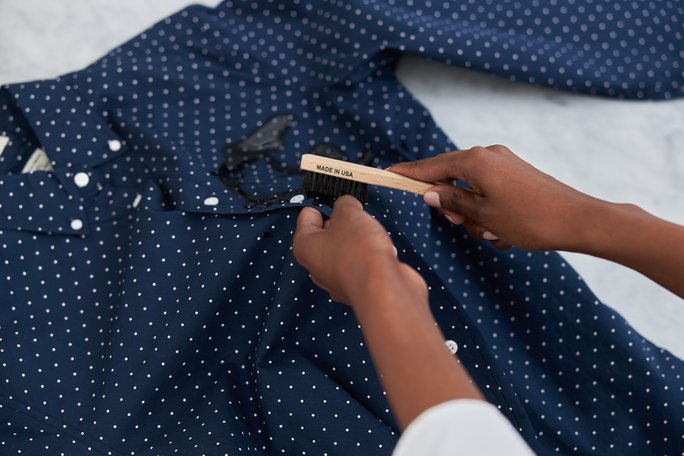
(310, 221)
(347, 203)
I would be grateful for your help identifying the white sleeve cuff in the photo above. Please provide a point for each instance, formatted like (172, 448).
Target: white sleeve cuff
(464, 427)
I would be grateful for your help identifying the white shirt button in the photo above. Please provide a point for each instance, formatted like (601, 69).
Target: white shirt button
(137, 200)
(297, 199)
(81, 180)
(76, 224)
(114, 145)
(452, 346)
(211, 201)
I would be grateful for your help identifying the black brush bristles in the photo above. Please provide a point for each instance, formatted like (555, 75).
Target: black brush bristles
(327, 188)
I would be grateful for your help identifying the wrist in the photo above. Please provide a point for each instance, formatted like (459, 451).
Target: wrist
(384, 288)
(600, 223)
(580, 220)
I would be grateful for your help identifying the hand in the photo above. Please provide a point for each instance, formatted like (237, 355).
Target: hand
(350, 255)
(509, 201)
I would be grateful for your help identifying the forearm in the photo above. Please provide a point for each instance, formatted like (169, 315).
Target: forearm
(416, 368)
(628, 235)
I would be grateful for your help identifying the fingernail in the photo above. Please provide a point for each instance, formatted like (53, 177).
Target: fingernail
(448, 217)
(432, 199)
(489, 236)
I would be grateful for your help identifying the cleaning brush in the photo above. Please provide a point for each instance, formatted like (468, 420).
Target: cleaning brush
(329, 178)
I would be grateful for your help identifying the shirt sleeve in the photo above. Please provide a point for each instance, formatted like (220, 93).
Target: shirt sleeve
(464, 427)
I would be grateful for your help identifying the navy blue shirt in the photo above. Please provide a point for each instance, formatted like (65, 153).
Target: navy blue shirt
(151, 303)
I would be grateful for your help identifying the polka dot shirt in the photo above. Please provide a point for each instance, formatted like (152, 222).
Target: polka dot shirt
(151, 303)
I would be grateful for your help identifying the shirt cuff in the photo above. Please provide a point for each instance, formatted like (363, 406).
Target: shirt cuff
(464, 427)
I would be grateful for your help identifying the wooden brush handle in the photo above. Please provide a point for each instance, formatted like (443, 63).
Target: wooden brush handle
(360, 173)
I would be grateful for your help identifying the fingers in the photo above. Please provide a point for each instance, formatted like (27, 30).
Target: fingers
(480, 232)
(486, 170)
(501, 245)
(346, 203)
(456, 200)
(453, 217)
(345, 207)
(450, 165)
(460, 206)
(310, 221)
(458, 164)
(470, 165)
(477, 231)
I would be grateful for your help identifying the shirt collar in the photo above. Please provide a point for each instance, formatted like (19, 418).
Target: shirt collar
(85, 139)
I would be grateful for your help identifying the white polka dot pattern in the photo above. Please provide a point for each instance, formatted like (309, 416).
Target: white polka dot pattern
(149, 308)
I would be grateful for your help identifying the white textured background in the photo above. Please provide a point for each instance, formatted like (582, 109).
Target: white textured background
(616, 150)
